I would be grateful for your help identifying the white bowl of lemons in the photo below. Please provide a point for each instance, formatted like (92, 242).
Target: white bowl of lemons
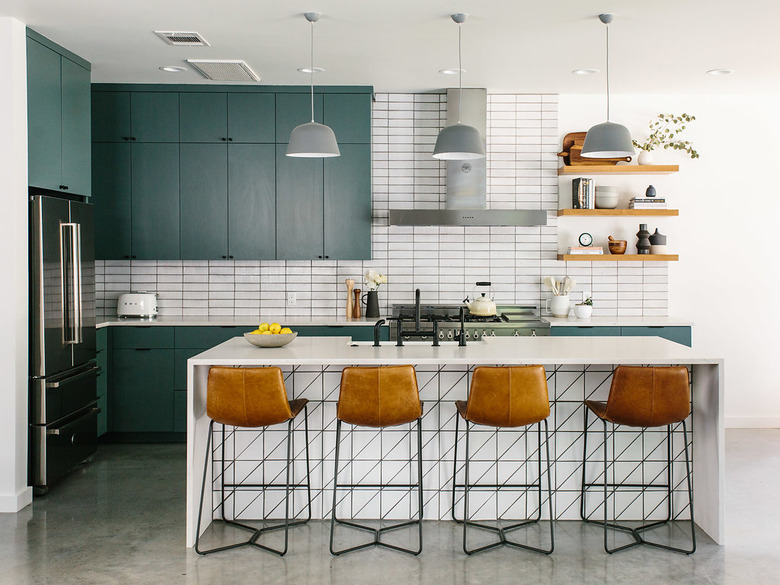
(270, 335)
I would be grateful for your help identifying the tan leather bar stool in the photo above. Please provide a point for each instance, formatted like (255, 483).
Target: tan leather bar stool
(378, 397)
(643, 397)
(505, 397)
(252, 398)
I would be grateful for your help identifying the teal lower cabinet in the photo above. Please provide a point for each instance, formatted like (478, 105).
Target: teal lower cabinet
(145, 374)
(101, 339)
(681, 335)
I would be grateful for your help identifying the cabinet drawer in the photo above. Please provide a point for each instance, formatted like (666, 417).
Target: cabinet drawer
(585, 331)
(200, 337)
(143, 337)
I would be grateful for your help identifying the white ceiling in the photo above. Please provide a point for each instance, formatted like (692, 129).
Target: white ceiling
(657, 46)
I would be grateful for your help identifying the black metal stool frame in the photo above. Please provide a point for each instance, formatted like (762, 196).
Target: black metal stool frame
(504, 541)
(378, 531)
(288, 486)
(635, 532)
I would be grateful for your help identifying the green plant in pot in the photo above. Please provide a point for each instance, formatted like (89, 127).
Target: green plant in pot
(584, 309)
(664, 132)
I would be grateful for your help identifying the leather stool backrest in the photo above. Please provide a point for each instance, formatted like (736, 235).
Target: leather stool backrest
(379, 397)
(649, 397)
(247, 397)
(508, 396)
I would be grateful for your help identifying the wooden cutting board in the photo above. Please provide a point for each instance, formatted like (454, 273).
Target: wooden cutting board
(572, 149)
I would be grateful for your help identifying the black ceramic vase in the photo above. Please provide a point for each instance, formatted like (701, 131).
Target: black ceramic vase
(372, 304)
(643, 243)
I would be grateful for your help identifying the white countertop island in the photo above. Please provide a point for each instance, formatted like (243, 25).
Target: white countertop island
(577, 368)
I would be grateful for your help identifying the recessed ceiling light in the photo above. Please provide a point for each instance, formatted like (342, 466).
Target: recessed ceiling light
(453, 71)
(720, 71)
(586, 71)
(311, 69)
(173, 69)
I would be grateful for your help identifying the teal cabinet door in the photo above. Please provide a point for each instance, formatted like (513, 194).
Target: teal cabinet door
(567, 331)
(349, 115)
(76, 133)
(154, 116)
(111, 116)
(111, 190)
(293, 109)
(347, 205)
(44, 117)
(252, 201)
(141, 395)
(299, 207)
(203, 117)
(252, 117)
(203, 201)
(155, 201)
(681, 335)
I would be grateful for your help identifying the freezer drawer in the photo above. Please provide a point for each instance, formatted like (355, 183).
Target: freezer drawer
(57, 397)
(55, 450)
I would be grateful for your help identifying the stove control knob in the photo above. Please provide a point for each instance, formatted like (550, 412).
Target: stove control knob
(441, 335)
(449, 334)
(492, 333)
(516, 334)
(484, 333)
(476, 335)
(467, 335)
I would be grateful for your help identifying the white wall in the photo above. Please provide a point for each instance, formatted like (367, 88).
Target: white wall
(726, 235)
(14, 493)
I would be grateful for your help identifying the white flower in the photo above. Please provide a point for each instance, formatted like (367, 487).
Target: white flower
(373, 279)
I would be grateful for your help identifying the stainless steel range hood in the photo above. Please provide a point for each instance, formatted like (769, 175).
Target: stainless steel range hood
(467, 180)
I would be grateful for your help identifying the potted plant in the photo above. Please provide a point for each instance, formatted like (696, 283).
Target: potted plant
(584, 309)
(664, 131)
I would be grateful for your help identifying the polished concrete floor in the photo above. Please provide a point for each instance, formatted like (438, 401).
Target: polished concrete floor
(120, 520)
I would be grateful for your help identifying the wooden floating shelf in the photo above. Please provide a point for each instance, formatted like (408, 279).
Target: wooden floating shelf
(617, 212)
(618, 257)
(617, 169)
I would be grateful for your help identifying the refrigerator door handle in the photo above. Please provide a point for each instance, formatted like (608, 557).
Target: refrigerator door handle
(78, 305)
(58, 383)
(66, 428)
(70, 269)
(64, 299)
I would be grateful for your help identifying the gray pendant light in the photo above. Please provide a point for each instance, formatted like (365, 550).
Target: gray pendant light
(312, 140)
(607, 140)
(459, 141)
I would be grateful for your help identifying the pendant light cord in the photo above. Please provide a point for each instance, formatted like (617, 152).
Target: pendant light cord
(460, 70)
(607, 25)
(311, 72)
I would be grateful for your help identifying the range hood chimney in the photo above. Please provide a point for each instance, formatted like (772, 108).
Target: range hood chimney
(467, 179)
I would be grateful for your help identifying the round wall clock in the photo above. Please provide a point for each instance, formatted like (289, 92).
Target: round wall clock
(586, 239)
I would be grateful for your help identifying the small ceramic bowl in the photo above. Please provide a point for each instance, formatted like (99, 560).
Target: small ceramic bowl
(617, 246)
(278, 340)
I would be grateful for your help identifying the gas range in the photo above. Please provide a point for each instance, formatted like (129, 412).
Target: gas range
(509, 320)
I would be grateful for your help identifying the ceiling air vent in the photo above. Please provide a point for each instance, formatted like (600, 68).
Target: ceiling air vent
(182, 39)
(224, 69)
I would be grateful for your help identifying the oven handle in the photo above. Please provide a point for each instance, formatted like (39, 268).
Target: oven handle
(66, 381)
(64, 428)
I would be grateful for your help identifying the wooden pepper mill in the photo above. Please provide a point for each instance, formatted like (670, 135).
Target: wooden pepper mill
(350, 282)
(356, 308)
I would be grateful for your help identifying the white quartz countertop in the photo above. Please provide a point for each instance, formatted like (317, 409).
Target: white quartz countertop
(499, 350)
(618, 322)
(206, 321)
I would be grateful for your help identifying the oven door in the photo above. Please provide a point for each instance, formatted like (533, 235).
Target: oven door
(58, 448)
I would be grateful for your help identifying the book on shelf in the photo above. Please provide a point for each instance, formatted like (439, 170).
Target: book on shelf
(655, 200)
(647, 206)
(586, 250)
(583, 193)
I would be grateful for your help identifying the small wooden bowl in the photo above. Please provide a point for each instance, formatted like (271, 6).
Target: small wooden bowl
(617, 246)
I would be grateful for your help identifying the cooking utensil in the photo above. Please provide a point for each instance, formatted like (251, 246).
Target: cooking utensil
(617, 247)
(482, 305)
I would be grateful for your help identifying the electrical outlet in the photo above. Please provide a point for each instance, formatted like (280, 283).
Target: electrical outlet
(291, 299)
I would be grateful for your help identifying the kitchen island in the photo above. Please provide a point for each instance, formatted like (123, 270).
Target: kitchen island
(576, 368)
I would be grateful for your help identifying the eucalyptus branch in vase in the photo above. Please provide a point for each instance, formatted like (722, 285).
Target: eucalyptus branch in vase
(664, 132)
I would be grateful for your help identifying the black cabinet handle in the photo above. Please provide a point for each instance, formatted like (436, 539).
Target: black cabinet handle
(326, 256)
(64, 187)
(230, 140)
(127, 257)
(133, 256)
(231, 257)
(224, 257)
(223, 139)
(127, 138)
(143, 349)
(320, 257)
(133, 138)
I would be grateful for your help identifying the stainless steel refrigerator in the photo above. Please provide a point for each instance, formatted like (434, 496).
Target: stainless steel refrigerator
(63, 374)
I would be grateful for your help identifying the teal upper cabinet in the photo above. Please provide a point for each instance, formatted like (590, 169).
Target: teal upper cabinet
(349, 116)
(58, 113)
(203, 117)
(154, 116)
(252, 201)
(112, 184)
(203, 201)
(347, 207)
(293, 109)
(111, 116)
(252, 117)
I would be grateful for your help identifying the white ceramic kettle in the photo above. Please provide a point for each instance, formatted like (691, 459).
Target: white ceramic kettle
(482, 305)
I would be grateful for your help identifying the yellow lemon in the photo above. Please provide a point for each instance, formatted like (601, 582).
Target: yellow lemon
(275, 328)
(263, 327)
(256, 331)
(286, 330)
(265, 333)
